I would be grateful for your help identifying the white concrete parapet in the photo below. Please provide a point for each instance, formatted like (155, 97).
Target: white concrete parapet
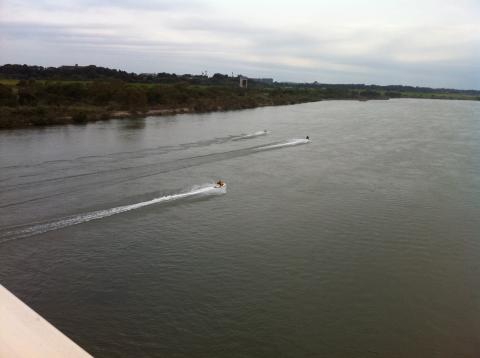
(25, 334)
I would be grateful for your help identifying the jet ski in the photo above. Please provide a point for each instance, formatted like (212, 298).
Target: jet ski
(219, 184)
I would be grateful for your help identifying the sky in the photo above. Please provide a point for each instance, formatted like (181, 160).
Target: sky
(433, 43)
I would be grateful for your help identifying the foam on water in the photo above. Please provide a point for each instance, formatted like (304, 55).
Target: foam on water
(289, 143)
(252, 135)
(207, 189)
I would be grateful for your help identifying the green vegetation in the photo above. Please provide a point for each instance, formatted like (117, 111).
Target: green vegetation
(37, 96)
(8, 82)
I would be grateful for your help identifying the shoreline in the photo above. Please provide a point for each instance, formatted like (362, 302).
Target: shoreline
(33, 117)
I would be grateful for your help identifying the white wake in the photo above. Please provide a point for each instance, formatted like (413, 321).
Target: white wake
(207, 189)
(289, 143)
(252, 135)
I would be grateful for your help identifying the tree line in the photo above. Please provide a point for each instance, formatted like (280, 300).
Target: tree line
(41, 102)
(92, 72)
(35, 95)
(133, 96)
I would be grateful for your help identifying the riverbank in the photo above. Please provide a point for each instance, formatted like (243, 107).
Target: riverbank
(39, 116)
(22, 116)
(43, 102)
(12, 118)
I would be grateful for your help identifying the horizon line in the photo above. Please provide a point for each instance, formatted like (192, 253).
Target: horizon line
(241, 75)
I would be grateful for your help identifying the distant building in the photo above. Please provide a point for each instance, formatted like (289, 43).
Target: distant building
(243, 82)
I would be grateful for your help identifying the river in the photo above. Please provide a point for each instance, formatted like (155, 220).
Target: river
(363, 242)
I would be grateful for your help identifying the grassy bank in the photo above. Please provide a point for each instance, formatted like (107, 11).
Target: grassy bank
(38, 103)
(83, 94)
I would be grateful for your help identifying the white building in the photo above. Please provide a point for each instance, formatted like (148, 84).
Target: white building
(243, 82)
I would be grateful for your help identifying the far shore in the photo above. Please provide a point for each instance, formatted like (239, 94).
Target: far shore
(30, 117)
(37, 97)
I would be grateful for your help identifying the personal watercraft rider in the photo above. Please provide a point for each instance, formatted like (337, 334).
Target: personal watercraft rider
(220, 183)
(308, 138)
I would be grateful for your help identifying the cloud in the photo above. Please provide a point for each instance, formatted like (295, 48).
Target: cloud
(383, 42)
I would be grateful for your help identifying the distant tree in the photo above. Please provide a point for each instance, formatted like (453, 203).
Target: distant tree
(104, 92)
(370, 94)
(155, 95)
(393, 94)
(135, 99)
(7, 97)
(27, 93)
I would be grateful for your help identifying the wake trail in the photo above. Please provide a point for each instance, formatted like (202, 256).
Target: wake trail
(80, 161)
(289, 143)
(153, 169)
(153, 150)
(207, 189)
(251, 135)
(120, 169)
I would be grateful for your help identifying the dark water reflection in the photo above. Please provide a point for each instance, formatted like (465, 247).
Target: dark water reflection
(362, 243)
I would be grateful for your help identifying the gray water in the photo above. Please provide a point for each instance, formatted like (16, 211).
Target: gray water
(362, 243)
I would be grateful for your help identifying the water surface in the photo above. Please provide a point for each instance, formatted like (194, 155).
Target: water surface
(363, 242)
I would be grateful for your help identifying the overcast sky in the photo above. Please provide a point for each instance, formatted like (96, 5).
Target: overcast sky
(418, 42)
